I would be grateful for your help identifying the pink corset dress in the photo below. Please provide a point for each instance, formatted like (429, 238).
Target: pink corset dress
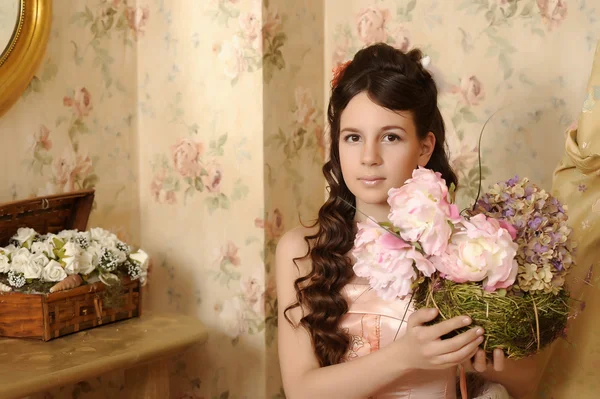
(373, 323)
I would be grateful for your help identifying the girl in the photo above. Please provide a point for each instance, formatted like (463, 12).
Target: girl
(337, 339)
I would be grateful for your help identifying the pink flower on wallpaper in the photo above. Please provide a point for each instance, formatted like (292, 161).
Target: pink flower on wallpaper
(191, 395)
(370, 24)
(252, 30)
(464, 158)
(253, 294)
(340, 53)
(273, 226)
(229, 253)
(401, 38)
(41, 139)
(272, 25)
(212, 180)
(186, 157)
(306, 109)
(320, 140)
(137, 18)
(470, 90)
(70, 168)
(232, 316)
(158, 192)
(231, 53)
(81, 102)
(553, 12)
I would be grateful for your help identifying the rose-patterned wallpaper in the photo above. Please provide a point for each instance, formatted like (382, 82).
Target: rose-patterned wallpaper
(200, 125)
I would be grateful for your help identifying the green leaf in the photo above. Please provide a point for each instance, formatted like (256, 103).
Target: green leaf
(538, 31)
(411, 6)
(505, 65)
(224, 201)
(240, 190)
(222, 140)
(198, 184)
(90, 181)
(36, 85)
(50, 71)
(468, 115)
(212, 204)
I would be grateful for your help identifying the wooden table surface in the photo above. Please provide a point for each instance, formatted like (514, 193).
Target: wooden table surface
(28, 366)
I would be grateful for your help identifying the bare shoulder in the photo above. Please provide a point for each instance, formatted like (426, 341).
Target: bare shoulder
(293, 245)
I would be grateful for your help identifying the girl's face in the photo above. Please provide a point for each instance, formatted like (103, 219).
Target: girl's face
(379, 149)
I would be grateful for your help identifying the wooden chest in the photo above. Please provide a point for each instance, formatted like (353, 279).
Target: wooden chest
(48, 316)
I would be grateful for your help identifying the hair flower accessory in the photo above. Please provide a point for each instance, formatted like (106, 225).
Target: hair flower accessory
(338, 71)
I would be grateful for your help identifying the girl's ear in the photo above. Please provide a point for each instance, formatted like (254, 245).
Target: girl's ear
(427, 147)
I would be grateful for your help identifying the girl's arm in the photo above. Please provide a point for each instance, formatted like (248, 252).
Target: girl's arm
(420, 347)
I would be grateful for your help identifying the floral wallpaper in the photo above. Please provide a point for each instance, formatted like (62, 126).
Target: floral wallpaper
(201, 127)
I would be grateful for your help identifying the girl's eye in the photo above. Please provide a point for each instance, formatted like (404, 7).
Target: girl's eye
(352, 138)
(391, 137)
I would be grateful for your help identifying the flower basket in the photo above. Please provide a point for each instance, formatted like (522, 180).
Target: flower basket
(46, 316)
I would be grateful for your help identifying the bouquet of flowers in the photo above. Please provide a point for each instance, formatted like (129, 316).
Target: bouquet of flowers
(504, 263)
(41, 263)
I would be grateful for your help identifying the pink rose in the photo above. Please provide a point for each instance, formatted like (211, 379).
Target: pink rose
(41, 139)
(69, 169)
(371, 25)
(305, 107)
(252, 30)
(231, 53)
(422, 211)
(253, 294)
(273, 226)
(213, 177)
(81, 103)
(340, 54)
(553, 12)
(158, 191)
(229, 253)
(320, 140)
(480, 250)
(401, 38)
(389, 263)
(471, 90)
(186, 157)
(272, 25)
(464, 158)
(137, 18)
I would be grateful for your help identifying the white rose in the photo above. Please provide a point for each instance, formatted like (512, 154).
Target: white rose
(4, 263)
(35, 266)
(53, 272)
(20, 260)
(86, 264)
(5, 288)
(141, 258)
(24, 234)
(43, 247)
(67, 235)
(71, 258)
(94, 250)
(8, 250)
(101, 235)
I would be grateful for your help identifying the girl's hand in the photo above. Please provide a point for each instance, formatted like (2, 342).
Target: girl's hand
(480, 363)
(421, 347)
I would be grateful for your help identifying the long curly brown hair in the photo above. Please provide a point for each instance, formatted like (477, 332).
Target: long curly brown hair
(397, 81)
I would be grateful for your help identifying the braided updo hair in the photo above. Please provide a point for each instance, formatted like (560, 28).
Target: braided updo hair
(394, 80)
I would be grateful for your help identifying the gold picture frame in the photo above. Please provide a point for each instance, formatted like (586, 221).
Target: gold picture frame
(25, 50)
